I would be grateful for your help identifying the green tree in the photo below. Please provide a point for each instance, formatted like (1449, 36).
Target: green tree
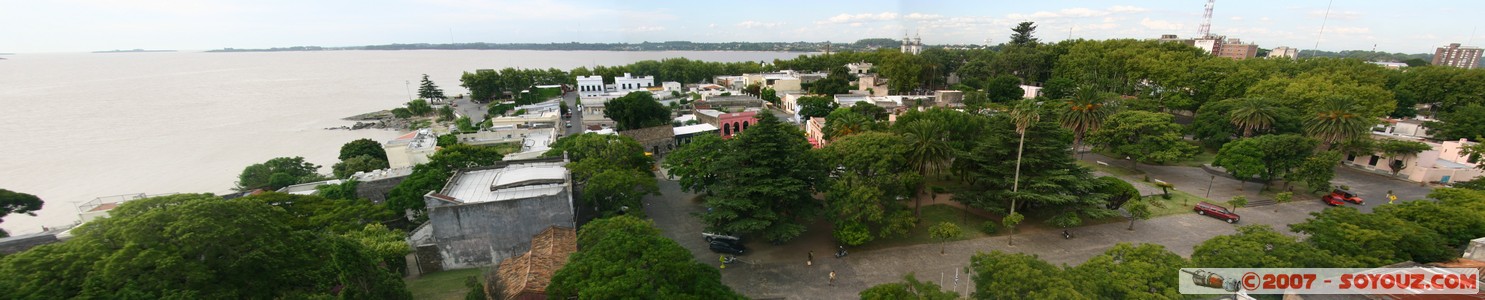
(943, 232)
(17, 203)
(1281, 198)
(346, 190)
(815, 106)
(1316, 171)
(1144, 136)
(290, 170)
(1010, 221)
(1024, 114)
(428, 90)
(1000, 275)
(767, 188)
(1373, 239)
(362, 147)
(1253, 115)
(1259, 246)
(1138, 210)
(431, 176)
(1399, 150)
(636, 110)
(1237, 201)
(1144, 271)
(419, 107)
(928, 152)
(465, 125)
(1466, 122)
(1084, 113)
(1050, 180)
(909, 288)
(1337, 120)
(613, 189)
(1268, 156)
(401, 113)
(843, 122)
(769, 95)
(1059, 88)
(364, 163)
(1004, 88)
(695, 163)
(863, 199)
(199, 246)
(837, 82)
(591, 153)
(1456, 217)
(625, 257)
(1022, 34)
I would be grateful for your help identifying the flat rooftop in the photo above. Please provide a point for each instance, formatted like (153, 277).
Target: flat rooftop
(517, 181)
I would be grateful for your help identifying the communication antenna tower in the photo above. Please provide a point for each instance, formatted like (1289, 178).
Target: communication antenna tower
(1206, 20)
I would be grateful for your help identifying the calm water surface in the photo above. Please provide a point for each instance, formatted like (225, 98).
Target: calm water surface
(79, 125)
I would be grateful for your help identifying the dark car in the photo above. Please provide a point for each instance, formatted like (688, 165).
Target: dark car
(1216, 211)
(1340, 196)
(720, 246)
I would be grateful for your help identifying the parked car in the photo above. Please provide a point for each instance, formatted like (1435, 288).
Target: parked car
(711, 236)
(1216, 211)
(1340, 196)
(720, 246)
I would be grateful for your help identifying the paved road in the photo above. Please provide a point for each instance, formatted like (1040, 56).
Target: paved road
(778, 271)
(468, 108)
(577, 116)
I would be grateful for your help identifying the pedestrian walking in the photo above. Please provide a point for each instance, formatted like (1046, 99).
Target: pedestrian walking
(1390, 197)
(811, 260)
(832, 278)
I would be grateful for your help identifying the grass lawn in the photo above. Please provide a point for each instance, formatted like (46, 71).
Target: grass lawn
(1180, 202)
(442, 285)
(1120, 171)
(932, 215)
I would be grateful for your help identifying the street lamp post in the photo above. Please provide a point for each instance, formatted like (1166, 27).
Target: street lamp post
(1209, 186)
(408, 85)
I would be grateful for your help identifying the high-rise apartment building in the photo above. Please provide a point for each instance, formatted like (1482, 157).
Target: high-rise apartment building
(1457, 56)
(1235, 49)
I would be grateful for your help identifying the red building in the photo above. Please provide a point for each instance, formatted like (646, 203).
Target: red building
(728, 124)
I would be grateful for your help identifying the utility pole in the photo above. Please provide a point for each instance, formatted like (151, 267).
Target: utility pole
(408, 84)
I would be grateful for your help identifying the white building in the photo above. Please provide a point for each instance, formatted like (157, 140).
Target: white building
(411, 149)
(1030, 91)
(1444, 163)
(1283, 52)
(628, 83)
(912, 45)
(859, 68)
(590, 86)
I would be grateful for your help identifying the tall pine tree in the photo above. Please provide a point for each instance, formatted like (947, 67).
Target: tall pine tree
(769, 184)
(430, 91)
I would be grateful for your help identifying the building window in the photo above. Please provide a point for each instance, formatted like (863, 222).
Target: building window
(1373, 161)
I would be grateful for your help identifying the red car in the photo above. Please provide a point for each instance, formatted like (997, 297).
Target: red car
(1340, 196)
(1216, 211)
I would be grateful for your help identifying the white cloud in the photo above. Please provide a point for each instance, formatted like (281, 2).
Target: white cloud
(755, 24)
(1348, 30)
(1265, 19)
(1161, 24)
(867, 17)
(642, 29)
(1336, 15)
(1077, 12)
(1120, 9)
(1236, 18)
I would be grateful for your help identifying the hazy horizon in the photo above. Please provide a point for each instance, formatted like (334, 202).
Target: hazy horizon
(101, 25)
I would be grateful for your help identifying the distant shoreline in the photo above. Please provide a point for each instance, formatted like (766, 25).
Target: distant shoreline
(647, 46)
(132, 51)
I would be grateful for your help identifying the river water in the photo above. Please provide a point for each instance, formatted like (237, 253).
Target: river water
(77, 126)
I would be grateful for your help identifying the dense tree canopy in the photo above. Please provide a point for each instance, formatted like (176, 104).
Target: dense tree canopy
(909, 288)
(767, 187)
(863, 198)
(1268, 157)
(636, 110)
(363, 163)
(591, 153)
(362, 147)
(1373, 239)
(1050, 178)
(816, 106)
(1143, 136)
(1466, 122)
(625, 257)
(1260, 246)
(292, 170)
(1000, 275)
(695, 163)
(1144, 271)
(199, 246)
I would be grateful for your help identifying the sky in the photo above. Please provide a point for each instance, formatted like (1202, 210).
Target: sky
(91, 25)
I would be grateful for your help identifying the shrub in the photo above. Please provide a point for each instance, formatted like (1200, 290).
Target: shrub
(989, 227)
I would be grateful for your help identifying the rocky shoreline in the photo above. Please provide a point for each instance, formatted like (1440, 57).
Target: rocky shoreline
(375, 120)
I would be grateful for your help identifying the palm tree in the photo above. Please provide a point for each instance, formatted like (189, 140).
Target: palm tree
(1085, 112)
(928, 152)
(1024, 113)
(1336, 121)
(1253, 115)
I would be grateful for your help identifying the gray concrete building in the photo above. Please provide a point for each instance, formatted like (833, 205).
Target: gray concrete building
(487, 214)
